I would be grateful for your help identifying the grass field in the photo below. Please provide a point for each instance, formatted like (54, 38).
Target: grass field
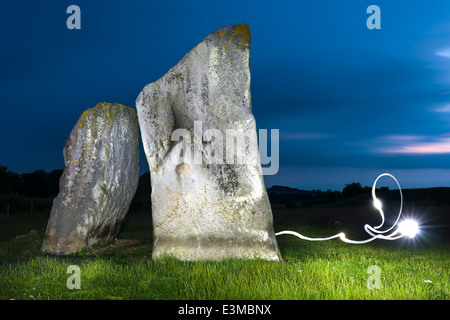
(409, 269)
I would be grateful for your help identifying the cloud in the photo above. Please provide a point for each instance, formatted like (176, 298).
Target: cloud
(402, 138)
(438, 146)
(413, 144)
(445, 109)
(443, 53)
(390, 144)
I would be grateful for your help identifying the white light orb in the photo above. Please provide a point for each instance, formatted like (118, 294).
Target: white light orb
(377, 204)
(408, 228)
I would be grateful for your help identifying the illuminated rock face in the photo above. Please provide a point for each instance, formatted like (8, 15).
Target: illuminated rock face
(205, 205)
(99, 180)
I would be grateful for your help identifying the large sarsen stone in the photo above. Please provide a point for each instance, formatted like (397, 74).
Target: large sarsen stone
(208, 195)
(99, 180)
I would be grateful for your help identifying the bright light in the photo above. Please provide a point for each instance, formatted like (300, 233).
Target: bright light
(408, 228)
(377, 204)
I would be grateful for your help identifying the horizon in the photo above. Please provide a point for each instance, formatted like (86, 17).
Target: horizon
(379, 185)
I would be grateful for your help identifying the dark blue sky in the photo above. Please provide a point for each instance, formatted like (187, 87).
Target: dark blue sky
(350, 103)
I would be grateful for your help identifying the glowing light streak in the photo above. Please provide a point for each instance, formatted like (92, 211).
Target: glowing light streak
(405, 228)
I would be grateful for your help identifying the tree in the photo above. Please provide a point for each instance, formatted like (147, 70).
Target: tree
(9, 181)
(352, 189)
(38, 184)
(34, 184)
(332, 195)
(53, 182)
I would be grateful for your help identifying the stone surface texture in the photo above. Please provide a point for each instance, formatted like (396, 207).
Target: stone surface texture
(212, 210)
(99, 180)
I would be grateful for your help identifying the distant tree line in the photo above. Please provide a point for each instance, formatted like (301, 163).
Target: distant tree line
(292, 197)
(34, 192)
(42, 184)
(355, 188)
(38, 184)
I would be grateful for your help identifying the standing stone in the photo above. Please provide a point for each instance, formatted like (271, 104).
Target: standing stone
(99, 181)
(209, 200)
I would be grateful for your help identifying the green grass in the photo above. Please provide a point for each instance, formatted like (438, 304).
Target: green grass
(311, 270)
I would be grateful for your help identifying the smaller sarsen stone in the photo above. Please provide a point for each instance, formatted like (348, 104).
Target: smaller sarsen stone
(99, 180)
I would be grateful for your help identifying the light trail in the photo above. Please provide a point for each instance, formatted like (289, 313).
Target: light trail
(408, 228)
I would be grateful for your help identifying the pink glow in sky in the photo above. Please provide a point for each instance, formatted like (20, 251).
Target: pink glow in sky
(439, 147)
